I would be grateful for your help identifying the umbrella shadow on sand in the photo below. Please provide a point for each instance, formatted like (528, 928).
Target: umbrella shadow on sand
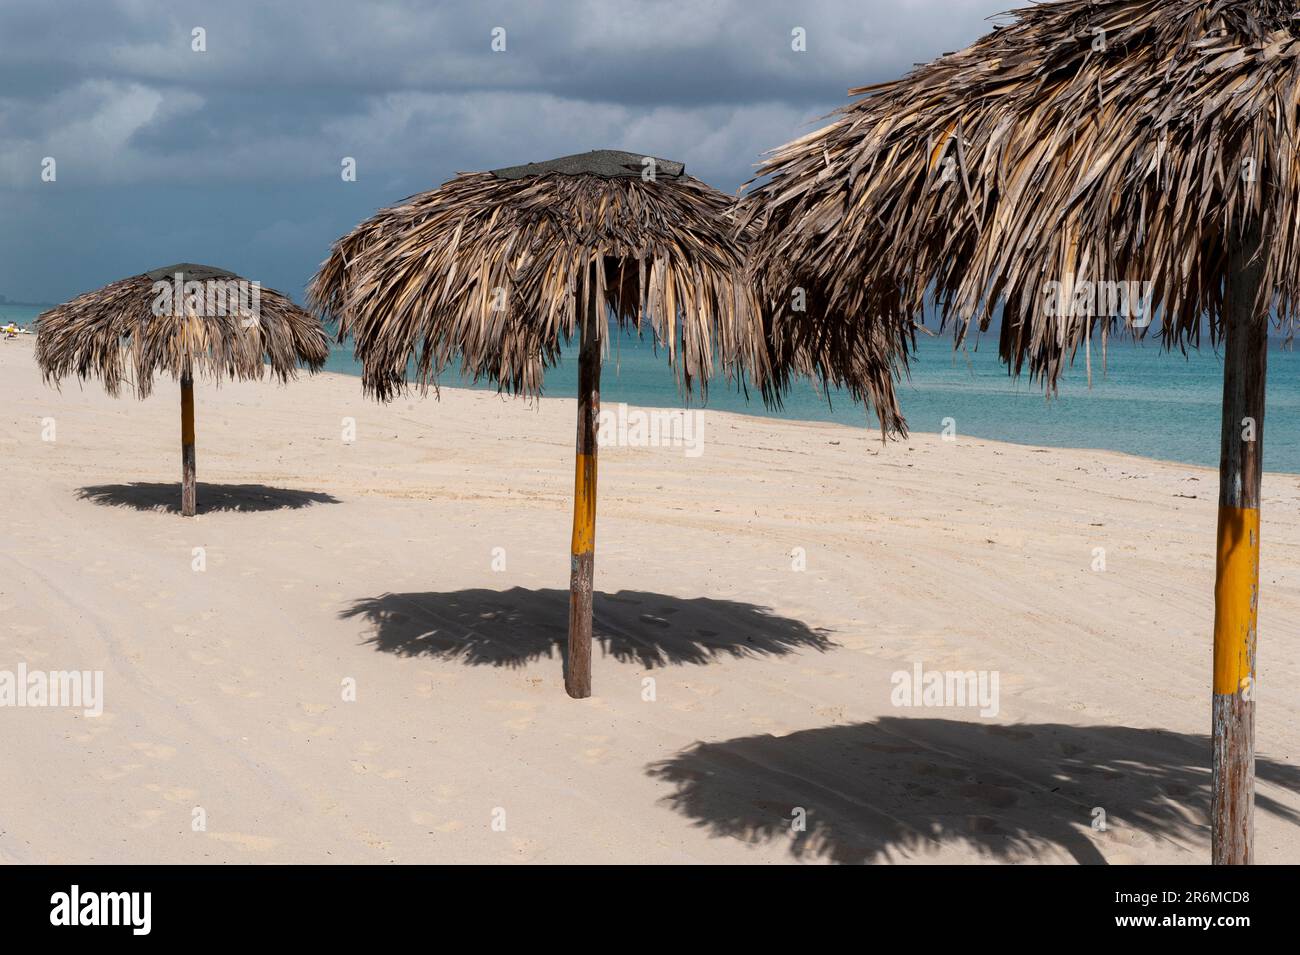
(898, 788)
(513, 627)
(211, 497)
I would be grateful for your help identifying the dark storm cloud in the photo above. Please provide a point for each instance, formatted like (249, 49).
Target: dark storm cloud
(248, 137)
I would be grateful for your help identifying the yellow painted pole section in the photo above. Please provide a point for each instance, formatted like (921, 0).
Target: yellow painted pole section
(584, 505)
(1236, 599)
(187, 414)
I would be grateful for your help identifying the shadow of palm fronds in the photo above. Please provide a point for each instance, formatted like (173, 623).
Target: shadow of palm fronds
(512, 627)
(211, 497)
(899, 787)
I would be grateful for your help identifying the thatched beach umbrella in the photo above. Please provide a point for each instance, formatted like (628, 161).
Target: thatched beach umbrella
(498, 269)
(182, 320)
(1087, 143)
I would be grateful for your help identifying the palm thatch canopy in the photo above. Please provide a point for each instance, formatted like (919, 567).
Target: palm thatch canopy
(489, 268)
(182, 319)
(1086, 142)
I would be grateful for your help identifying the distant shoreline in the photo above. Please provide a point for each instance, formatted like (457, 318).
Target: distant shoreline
(1121, 455)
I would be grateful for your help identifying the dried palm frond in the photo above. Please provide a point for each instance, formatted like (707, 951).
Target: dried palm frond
(487, 270)
(1085, 142)
(134, 328)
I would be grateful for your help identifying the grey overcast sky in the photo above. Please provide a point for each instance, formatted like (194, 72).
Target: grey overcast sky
(232, 156)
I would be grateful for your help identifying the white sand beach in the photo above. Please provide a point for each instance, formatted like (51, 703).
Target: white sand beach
(380, 561)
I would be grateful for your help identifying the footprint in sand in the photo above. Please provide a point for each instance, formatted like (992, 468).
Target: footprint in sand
(433, 683)
(324, 801)
(943, 772)
(984, 826)
(374, 841)
(430, 821)
(892, 748)
(362, 768)
(98, 725)
(995, 796)
(109, 774)
(245, 842)
(173, 793)
(302, 728)
(524, 849)
(526, 709)
(1009, 731)
(700, 690)
(155, 750)
(146, 819)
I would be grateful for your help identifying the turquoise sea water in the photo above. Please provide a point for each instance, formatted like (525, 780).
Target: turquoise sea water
(22, 315)
(1149, 402)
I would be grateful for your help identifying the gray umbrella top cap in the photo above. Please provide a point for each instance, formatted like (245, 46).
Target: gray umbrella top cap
(190, 273)
(606, 163)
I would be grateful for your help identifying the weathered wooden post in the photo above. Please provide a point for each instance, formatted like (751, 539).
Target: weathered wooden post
(188, 488)
(1236, 581)
(577, 673)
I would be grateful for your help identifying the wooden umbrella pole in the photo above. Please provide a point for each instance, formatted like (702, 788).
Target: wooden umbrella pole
(577, 674)
(1236, 581)
(188, 487)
